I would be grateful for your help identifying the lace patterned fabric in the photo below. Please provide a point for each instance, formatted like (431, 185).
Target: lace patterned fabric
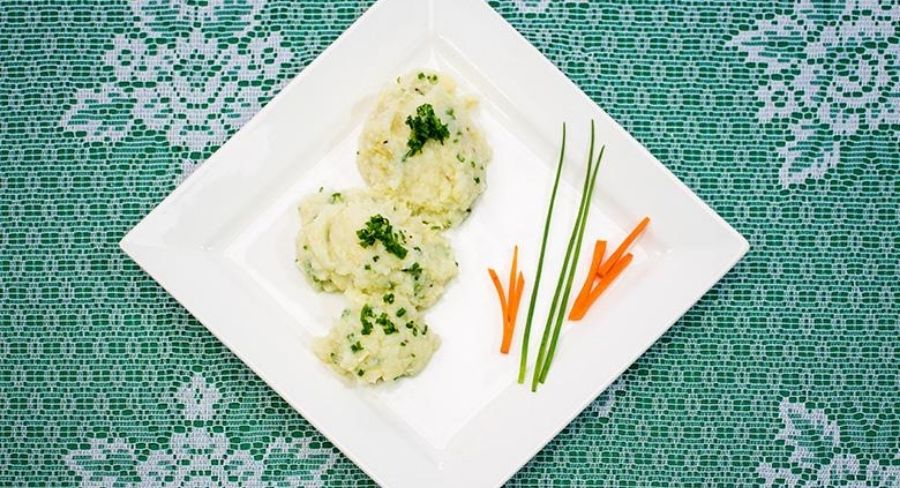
(783, 116)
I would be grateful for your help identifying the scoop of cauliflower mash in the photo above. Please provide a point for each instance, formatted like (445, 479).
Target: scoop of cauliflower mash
(420, 145)
(378, 338)
(355, 240)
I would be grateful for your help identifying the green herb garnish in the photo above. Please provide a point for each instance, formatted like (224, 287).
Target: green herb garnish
(388, 298)
(360, 372)
(415, 270)
(379, 229)
(523, 362)
(401, 312)
(335, 198)
(423, 127)
(356, 347)
(386, 324)
(365, 317)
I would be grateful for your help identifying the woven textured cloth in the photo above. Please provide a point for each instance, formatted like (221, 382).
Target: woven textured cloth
(784, 116)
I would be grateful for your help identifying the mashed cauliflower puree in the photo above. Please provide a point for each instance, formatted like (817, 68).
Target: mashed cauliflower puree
(378, 338)
(423, 160)
(420, 145)
(355, 240)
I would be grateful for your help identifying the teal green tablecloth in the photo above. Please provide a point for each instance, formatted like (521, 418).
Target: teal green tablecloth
(784, 116)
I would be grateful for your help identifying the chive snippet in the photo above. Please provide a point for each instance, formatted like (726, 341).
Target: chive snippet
(558, 306)
(523, 362)
(562, 311)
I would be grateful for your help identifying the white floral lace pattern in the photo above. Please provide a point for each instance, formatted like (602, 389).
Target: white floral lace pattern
(194, 87)
(817, 459)
(830, 72)
(200, 457)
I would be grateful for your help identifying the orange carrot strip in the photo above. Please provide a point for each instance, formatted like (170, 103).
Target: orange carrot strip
(599, 251)
(512, 279)
(514, 308)
(499, 288)
(614, 258)
(513, 311)
(605, 281)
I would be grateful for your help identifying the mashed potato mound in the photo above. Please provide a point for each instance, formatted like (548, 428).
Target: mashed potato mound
(355, 240)
(378, 338)
(440, 180)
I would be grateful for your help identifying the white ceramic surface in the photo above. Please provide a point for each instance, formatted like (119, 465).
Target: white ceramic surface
(222, 245)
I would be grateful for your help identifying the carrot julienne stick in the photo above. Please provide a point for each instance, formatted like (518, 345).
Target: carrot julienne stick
(606, 280)
(614, 258)
(596, 260)
(512, 280)
(500, 293)
(512, 312)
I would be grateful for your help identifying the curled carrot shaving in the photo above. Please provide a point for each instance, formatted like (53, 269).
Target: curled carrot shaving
(606, 280)
(509, 302)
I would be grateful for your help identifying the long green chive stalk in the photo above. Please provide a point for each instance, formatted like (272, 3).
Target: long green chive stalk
(565, 300)
(523, 363)
(539, 364)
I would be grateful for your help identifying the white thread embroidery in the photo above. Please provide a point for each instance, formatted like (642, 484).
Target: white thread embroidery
(816, 455)
(200, 456)
(182, 73)
(830, 73)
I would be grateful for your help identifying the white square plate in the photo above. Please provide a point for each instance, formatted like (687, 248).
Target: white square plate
(222, 245)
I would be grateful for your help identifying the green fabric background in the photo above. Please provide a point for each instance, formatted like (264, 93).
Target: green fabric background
(787, 373)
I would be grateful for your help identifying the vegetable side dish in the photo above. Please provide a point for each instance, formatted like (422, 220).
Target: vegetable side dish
(423, 160)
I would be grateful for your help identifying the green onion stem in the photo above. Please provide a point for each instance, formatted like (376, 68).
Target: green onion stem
(568, 288)
(523, 363)
(538, 366)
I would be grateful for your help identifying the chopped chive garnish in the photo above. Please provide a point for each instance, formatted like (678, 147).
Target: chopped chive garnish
(523, 362)
(415, 270)
(379, 229)
(365, 318)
